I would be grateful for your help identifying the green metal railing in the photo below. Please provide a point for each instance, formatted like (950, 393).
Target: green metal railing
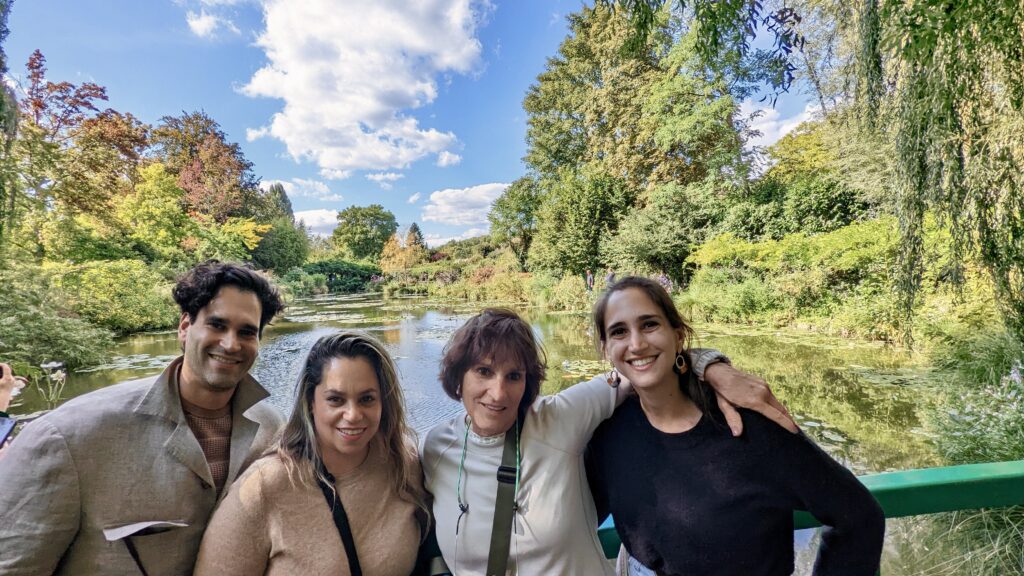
(916, 492)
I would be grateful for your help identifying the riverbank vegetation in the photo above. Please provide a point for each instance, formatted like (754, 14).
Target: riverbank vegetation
(99, 212)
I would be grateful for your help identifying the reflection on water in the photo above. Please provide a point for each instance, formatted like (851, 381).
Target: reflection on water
(862, 403)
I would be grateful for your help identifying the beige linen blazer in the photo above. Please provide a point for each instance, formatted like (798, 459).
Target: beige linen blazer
(117, 463)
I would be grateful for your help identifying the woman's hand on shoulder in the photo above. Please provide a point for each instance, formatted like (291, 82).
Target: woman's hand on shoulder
(734, 388)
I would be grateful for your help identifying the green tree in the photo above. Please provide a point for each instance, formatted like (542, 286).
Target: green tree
(513, 217)
(234, 239)
(78, 238)
(8, 132)
(694, 119)
(37, 325)
(363, 230)
(153, 214)
(122, 295)
(953, 80)
(803, 190)
(414, 237)
(587, 106)
(580, 209)
(281, 206)
(724, 30)
(659, 236)
(283, 247)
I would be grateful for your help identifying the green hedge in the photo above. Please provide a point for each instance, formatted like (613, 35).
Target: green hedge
(342, 276)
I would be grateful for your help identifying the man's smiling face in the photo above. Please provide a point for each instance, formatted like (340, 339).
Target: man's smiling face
(222, 342)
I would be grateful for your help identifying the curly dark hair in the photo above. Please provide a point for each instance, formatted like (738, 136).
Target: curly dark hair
(198, 286)
(498, 334)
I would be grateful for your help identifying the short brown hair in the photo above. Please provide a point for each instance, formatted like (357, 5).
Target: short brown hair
(496, 334)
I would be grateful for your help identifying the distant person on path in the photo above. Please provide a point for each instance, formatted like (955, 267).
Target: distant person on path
(347, 438)
(590, 280)
(123, 480)
(609, 278)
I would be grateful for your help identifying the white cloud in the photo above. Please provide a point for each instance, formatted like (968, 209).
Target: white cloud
(414, 198)
(435, 240)
(349, 72)
(770, 123)
(304, 188)
(462, 206)
(321, 222)
(384, 179)
(446, 158)
(205, 25)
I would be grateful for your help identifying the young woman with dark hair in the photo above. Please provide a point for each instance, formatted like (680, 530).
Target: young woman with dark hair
(688, 498)
(346, 440)
(494, 365)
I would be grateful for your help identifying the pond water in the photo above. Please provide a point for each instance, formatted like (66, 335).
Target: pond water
(863, 403)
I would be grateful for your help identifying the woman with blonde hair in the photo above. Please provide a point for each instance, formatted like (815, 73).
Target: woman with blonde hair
(342, 493)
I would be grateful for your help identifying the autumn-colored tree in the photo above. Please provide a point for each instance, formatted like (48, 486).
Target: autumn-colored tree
(217, 179)
(64, 158)
(395, 256)
(70, 150)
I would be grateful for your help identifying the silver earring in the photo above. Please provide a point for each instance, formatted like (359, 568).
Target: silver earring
(681, 366)
(614, 379)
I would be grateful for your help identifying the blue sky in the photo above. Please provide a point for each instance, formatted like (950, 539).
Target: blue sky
(413, 105)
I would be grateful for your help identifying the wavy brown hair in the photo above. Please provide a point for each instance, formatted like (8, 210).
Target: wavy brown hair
(298, 447)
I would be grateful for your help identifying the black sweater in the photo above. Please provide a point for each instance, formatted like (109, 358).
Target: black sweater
(703, 502)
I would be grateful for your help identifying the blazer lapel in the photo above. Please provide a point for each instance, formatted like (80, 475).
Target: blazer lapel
(182, 444)
(163, 401)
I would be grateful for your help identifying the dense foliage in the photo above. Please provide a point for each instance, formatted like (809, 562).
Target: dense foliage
(99, 212)
(362, 231)
(343, 276)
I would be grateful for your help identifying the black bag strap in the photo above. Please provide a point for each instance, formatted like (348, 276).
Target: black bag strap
(341, 521)
(504, 505)
(429, 561)
(135, 554)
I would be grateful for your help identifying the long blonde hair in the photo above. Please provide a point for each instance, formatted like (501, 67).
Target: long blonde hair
(298, 447)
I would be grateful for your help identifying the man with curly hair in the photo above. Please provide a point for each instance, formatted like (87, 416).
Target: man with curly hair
(123, 480)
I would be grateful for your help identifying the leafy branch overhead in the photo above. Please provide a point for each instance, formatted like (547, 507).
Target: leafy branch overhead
(724, 29)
